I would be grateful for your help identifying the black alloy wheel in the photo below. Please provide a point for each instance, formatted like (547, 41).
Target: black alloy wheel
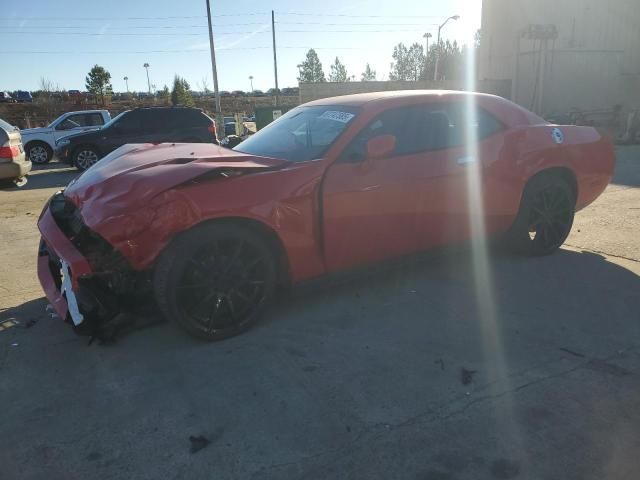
(545, 218)
(215, 280)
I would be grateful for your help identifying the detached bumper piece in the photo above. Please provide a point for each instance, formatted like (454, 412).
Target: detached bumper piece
(88, 283)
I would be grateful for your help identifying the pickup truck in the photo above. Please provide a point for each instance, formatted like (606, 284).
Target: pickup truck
(39, 143)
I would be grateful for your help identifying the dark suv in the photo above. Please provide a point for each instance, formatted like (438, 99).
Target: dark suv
(141, 125)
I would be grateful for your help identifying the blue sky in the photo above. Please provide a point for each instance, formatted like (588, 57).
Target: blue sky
(62, 40)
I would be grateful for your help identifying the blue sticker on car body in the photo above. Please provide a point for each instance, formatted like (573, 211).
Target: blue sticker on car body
(557, 135)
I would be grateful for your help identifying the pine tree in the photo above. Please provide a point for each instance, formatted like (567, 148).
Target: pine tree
(311, 69)
(338, 72)
(369, 74)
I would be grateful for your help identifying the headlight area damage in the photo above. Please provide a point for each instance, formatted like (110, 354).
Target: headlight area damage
(102, 286)
(100, 238)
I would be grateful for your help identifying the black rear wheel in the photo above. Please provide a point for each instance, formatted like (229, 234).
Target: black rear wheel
(215, 280)
(545, 217)
(85, 156)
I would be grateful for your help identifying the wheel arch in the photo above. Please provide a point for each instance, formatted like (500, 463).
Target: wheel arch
(38, 140)
(564, 173)
(265, 231)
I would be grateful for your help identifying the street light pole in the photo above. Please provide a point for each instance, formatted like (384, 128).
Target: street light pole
(275, 58)
(146, 66)
(126, 82)
(214, 71)
(439, 46)
(426, 53)
(251, 80)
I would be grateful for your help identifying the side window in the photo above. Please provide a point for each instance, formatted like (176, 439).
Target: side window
(72, 121)
(93, 119)
(487, 124)
(129, 123)
(421, 128)
(392, 122)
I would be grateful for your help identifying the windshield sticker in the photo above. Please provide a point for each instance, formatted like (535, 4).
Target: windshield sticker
(342, 117)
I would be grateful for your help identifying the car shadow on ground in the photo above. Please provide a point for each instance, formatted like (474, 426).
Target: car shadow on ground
(437, 286)
(50, 175)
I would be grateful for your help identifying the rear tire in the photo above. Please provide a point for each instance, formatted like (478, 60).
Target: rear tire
(38, 152)
(84, 157)
(545, 218)
(215, 280)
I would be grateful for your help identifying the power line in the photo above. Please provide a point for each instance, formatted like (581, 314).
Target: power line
(173, 27)
(98, 34)
(355, 16)
(357, 24)
(128, 27)
(195, 50)
(120, 52)
(137, 18)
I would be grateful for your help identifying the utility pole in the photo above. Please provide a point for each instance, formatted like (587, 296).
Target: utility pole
(219, 117)
(275, 59)
(146, 66)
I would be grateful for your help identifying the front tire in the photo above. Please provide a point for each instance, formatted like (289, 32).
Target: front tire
(84, 157)
(215, 280)
(545, 218)
(39, 152)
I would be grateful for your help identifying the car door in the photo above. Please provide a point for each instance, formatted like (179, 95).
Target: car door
(369, 204)
(127, 129)
(78, 122)
(452, 180)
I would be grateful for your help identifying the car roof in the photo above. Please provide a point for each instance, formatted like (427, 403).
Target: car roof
(359, 99)
(172, 107)
(85, 111)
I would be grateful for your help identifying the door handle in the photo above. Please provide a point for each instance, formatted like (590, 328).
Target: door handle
(466, 160)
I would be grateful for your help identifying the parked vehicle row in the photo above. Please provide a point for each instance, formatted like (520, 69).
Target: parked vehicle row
(140, 125)
(40, 143)
(14, 164)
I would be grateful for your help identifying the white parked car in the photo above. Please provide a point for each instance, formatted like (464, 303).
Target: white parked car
(39, 143)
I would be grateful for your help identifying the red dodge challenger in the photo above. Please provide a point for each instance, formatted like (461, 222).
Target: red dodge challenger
(211, 233)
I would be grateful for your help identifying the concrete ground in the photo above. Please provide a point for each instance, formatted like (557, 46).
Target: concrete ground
(361, 378)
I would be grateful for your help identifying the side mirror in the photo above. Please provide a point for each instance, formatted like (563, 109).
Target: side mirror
(381, 146)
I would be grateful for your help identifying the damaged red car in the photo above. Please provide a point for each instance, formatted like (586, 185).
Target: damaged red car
(210, 234)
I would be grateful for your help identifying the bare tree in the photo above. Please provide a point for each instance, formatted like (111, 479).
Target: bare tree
(204, 85)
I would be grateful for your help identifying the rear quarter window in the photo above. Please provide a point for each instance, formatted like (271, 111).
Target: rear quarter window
(6, 126)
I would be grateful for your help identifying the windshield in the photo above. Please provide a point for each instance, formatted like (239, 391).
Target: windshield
(114, 119)
(304, 133)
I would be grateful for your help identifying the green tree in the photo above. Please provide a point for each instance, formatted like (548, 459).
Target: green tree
(451, 65)
(408, 63)
(338, 72)
(415, 59)
(181, 93)
(369, 74)
(166, 95)
(98, 82)
(311, 69)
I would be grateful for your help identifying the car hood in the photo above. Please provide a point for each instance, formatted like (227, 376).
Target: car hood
(33, 131)
(131, 176)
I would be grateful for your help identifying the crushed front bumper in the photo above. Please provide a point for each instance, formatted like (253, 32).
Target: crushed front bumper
(55, 248)
(86, 281)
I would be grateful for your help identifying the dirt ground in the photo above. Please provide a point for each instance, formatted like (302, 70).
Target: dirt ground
(392, 374)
